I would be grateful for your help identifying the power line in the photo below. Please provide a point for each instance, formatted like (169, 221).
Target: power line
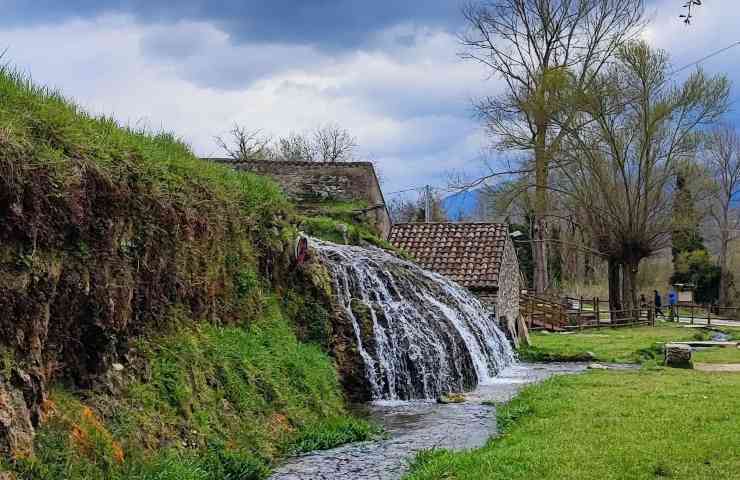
(404, 191)
(715, 53)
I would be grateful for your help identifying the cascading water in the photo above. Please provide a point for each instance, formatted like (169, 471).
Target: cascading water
(419, 334)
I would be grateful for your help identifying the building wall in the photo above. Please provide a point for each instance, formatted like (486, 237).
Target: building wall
(312, 182)
(507, 303)
(487, 297)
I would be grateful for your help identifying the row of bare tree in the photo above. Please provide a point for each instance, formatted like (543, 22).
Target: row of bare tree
(606, 128)
(326, 143)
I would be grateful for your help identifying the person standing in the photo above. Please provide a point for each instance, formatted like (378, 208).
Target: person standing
(658, 304)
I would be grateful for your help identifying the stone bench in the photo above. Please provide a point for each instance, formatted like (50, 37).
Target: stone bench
(678, 355)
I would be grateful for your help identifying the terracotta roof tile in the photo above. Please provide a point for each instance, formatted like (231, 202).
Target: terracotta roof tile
(469, 253)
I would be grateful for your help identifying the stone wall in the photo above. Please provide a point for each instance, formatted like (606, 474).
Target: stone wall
(507, 303)
(309, 183)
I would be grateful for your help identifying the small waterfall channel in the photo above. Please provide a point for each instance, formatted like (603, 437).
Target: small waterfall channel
(419, 334)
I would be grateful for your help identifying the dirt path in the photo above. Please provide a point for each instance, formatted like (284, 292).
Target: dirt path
(717, 367)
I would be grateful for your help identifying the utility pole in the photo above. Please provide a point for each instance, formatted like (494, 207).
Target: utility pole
(428, 204)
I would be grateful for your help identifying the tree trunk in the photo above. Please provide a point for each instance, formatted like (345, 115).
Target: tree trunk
(724, 279)
(615, 287)
(629, 295)
(539, 246)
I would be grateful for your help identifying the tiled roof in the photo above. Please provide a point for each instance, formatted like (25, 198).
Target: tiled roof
(468, 253)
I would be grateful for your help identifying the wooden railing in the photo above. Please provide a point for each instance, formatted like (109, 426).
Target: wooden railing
(543, 314)
(580, 313)
(700, 314)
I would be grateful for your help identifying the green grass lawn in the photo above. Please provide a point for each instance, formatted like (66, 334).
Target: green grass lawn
(647, 424)
(717, 355)
(620, 345)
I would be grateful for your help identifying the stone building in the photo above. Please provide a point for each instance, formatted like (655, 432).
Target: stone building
(478, 256)
(310, 183)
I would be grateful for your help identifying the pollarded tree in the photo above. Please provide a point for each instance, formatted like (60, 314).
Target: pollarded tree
(545, 51)
(623, 162)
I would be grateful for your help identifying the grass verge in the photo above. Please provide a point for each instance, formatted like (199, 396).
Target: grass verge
(647, 424)
(618, 345)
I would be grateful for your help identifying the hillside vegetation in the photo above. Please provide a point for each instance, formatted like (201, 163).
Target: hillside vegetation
(148, 327)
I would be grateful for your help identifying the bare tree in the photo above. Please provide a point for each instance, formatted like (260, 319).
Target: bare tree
(546, 51)
(245, 145)
(722, 158)
(623, 162)
(332, 143)
(295, 147)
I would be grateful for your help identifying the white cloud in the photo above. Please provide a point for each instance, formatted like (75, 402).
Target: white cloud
(406, 96)
(409, 110)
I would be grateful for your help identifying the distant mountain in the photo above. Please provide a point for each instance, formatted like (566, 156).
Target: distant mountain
(462, 205)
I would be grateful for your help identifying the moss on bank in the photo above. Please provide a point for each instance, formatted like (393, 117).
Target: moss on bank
(137, 285)
(211, 403)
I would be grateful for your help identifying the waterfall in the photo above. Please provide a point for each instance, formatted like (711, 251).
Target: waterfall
(419, 334)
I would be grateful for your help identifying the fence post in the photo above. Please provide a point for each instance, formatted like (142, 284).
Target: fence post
(597, 309)
(692, 313)
(531, 311)
(709, 315)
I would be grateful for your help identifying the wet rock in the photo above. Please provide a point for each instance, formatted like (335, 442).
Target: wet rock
(597, 366)
(451, 398)
(16, 427)
(678, 355)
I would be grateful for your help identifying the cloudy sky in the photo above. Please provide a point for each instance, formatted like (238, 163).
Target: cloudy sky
(387, 70)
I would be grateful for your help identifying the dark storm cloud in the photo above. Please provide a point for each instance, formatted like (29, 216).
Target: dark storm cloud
(325, 24)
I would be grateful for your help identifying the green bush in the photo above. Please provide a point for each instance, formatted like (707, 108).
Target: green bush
(697, 267)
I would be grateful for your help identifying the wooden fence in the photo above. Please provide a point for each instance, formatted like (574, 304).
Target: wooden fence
(700, 314)
(580, 313)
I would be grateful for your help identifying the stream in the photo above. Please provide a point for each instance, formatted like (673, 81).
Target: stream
(420, 424)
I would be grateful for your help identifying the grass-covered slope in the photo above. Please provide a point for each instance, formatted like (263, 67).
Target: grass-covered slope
(140, 333)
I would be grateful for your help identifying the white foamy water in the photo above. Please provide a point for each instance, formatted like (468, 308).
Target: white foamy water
(419, 334)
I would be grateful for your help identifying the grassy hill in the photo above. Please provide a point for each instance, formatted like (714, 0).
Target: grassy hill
(148, 329)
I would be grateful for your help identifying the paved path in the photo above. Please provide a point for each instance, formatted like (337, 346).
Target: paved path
(717, 367)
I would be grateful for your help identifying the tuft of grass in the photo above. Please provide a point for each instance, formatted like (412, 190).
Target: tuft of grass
(332, 433)
(607, 425)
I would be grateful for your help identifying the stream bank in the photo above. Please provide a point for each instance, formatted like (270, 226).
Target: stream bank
(413, 426)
